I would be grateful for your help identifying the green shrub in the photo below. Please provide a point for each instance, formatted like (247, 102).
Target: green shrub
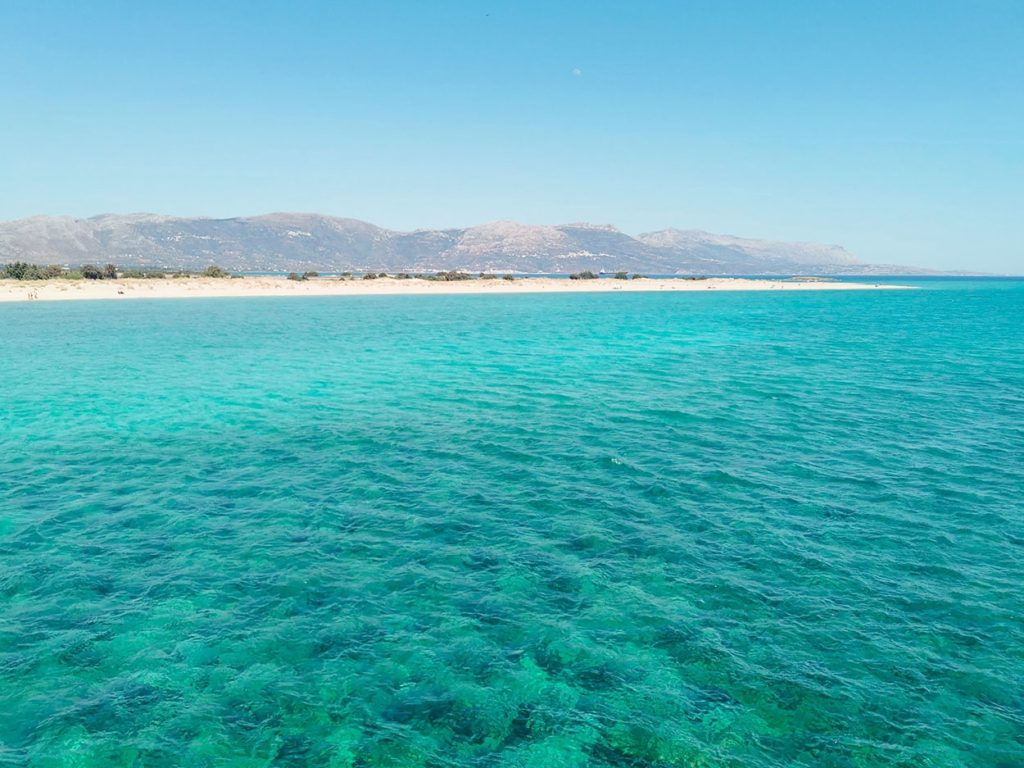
(295, 276)
(488, 276)
(637, 277)
(453, 275)
(214, 271)
(52, 271)
(508, 277)
(584, 275)
(310, 273)
(370, 276)
(19, 270)
(110, 272)
(622, 276)
(92, 272)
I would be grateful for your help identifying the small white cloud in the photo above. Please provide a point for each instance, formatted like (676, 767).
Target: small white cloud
(577, 71)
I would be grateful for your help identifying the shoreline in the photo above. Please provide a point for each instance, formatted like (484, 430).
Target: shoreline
(245, 287)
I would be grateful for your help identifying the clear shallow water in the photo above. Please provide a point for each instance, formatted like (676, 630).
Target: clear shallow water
(608, 530)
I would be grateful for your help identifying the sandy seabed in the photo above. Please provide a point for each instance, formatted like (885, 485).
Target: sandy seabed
(240, 287)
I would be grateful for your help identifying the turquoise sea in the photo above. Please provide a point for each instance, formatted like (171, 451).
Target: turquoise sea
(740, 530)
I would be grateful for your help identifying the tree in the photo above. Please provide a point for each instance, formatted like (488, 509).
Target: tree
(19, 270)
(92, 272)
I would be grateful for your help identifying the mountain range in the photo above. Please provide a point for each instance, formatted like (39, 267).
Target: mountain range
(301, 241)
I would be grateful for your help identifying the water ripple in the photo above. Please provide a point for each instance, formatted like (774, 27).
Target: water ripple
(623, 530)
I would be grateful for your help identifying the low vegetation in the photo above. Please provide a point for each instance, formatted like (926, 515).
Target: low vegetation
(450, 276)
(20, 270)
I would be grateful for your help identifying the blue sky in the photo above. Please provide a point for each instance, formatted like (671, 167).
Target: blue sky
(893, 128)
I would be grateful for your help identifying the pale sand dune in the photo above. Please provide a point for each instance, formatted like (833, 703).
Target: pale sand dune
(205, 287)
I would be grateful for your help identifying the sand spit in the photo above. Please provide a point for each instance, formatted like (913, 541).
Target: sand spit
(240, 287)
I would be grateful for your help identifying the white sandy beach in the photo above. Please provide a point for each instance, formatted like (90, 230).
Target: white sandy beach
(239, 287)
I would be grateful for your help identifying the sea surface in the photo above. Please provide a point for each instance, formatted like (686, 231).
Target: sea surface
(733, 529)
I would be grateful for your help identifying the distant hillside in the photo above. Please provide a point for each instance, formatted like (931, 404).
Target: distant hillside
(299, 241)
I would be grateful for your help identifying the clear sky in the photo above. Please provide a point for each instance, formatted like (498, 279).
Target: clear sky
(893, 128)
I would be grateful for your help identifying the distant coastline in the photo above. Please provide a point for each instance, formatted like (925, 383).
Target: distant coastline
(242, 287)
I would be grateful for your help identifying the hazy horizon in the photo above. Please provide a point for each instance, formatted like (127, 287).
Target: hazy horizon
(894, 133)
